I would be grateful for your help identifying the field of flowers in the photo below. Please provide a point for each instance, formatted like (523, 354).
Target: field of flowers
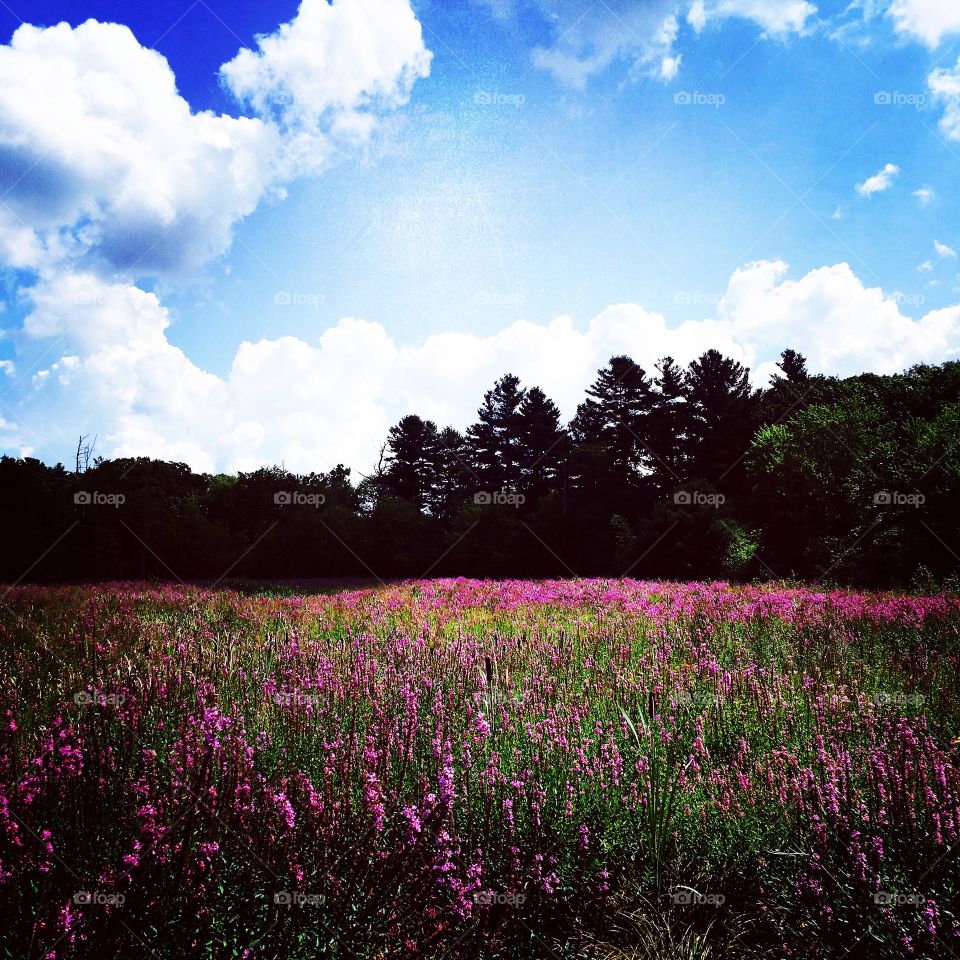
(609, 769)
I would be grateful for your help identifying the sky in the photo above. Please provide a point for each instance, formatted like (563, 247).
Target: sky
(246, 233)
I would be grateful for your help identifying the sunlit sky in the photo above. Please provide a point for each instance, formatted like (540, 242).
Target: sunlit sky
(242, 233)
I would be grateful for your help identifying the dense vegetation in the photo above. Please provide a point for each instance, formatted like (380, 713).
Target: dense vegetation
(680, 473)
(463, 769)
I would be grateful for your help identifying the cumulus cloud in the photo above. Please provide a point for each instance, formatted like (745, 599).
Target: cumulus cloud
(926, 20)
(282, 398)
(324, 75)
(943, 251)
(104, 165)
(924, 194)
(110, 178)
(945, 86)
(879, 181)
(100, 157)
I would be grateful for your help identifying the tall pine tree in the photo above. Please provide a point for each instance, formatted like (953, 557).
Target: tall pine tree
(494, 440)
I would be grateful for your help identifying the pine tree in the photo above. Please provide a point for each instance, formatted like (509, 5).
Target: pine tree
(668, 426)
(542, 444)
(611, 421)
(791, 390)
(411, 456)
(494, 439)
(722, 417)
(450, 473)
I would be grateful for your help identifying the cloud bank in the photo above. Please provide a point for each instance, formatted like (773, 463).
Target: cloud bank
(285, 399)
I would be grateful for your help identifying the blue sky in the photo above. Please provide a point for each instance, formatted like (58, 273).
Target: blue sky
(419, 199)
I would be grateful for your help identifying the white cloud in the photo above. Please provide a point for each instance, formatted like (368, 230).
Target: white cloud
(589, 39)
(109, 177)
(925, 194)
(324, 75)
(103, 164)
(879, 182)
(775, 17)
(926, 267)
(101, 158)
(943, 251)
(670, 66)
(284, 399)
(926, 20)
(945, 86)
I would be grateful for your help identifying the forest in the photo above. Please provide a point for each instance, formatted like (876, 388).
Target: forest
(676, 473)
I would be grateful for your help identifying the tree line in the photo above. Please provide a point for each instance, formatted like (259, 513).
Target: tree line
(679, 472)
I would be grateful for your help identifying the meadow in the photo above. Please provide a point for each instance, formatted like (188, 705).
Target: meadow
(462, 768)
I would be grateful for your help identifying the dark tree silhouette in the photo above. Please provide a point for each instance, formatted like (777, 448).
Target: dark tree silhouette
(691, 474)
(722, 410)
(495, 438)
(542, 445)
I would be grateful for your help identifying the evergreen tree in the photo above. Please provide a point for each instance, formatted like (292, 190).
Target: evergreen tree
(494, 439)
(668, 426)
(451, 476)
(611, 422)
(722, 418)
(542, 444)
(411, 460)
